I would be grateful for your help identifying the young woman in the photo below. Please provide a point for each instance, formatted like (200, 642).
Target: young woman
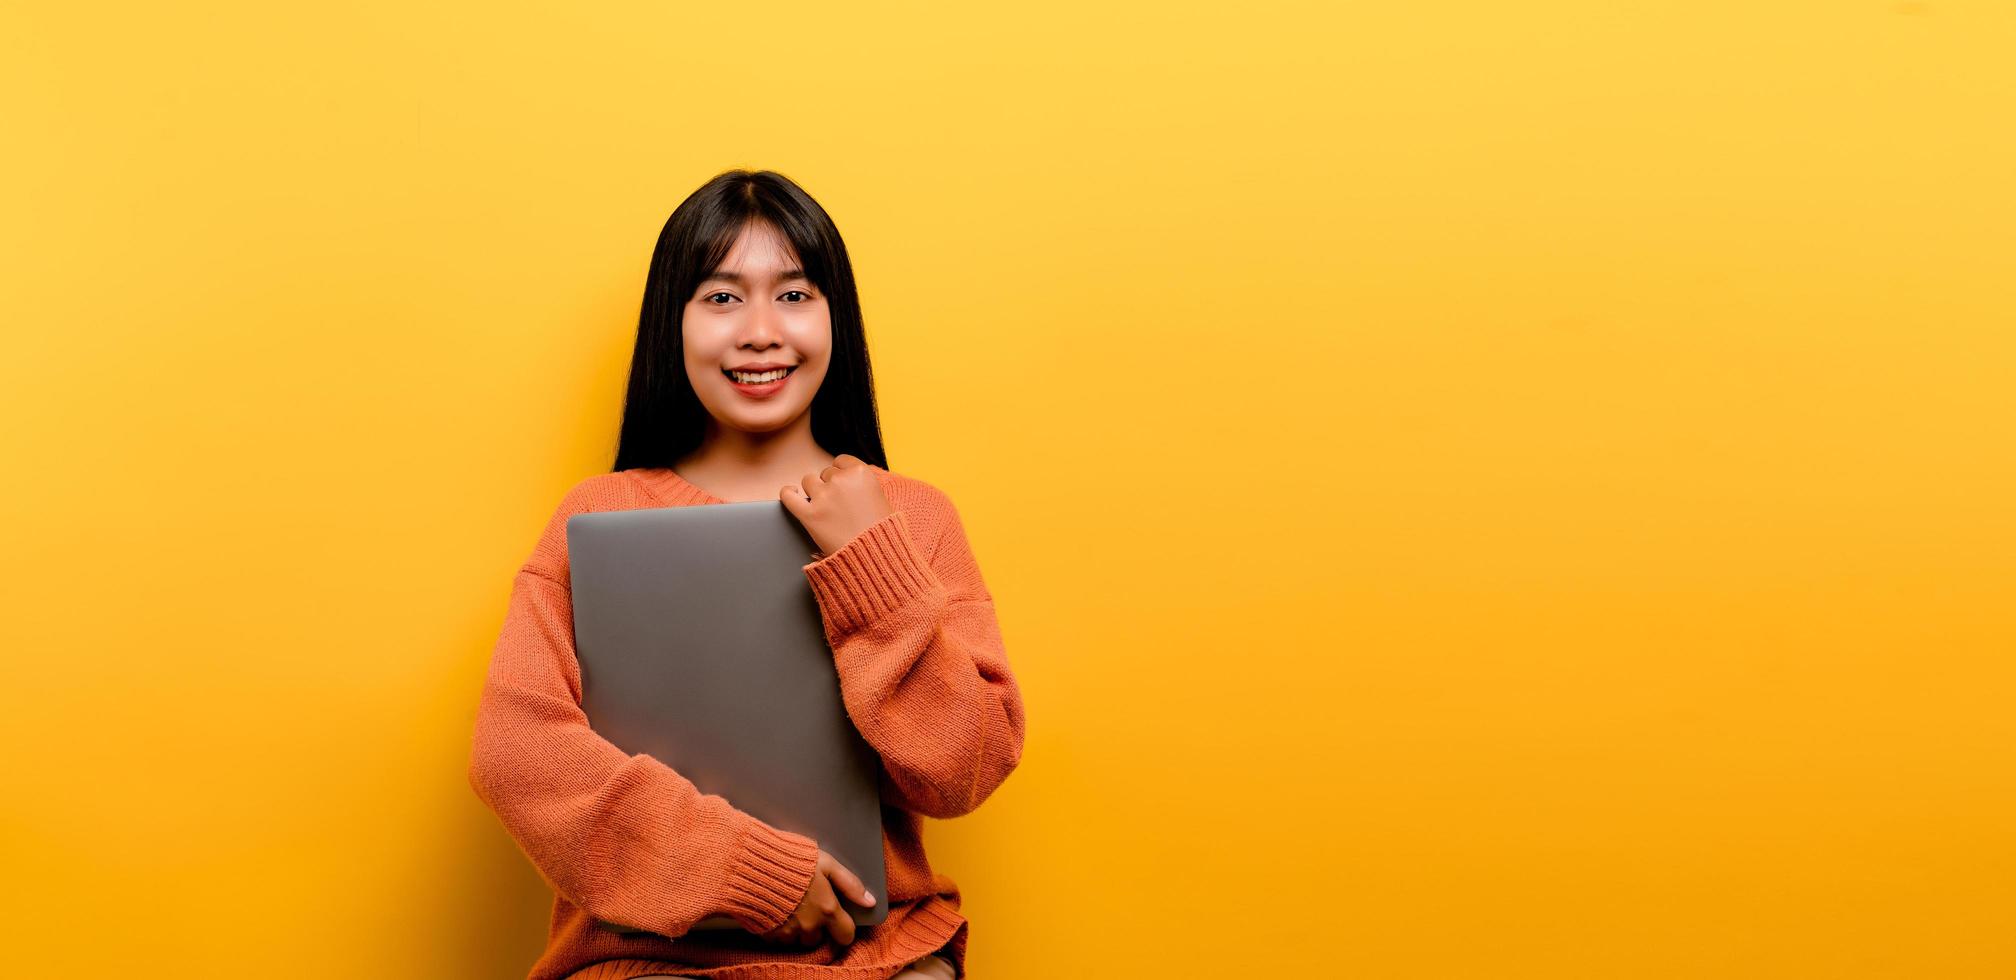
(750, 381)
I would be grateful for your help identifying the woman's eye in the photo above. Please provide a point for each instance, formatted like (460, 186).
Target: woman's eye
(711, 297)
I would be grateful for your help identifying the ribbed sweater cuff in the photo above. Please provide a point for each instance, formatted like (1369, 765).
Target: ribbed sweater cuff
(873, 574)
(772, 872)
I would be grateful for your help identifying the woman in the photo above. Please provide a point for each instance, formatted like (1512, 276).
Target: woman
(750, 381)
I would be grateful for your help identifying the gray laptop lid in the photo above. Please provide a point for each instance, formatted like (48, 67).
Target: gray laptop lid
(701, 644)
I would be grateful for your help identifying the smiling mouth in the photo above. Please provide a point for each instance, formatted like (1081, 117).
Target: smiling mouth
(759, 377)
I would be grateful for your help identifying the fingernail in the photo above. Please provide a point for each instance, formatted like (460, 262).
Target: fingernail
(868, 897)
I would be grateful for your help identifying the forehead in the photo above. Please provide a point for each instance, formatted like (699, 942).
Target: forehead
(759, 254)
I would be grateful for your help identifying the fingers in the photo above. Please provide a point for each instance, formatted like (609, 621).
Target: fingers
(839, 923)
(793, 933)
(833, 880)
(810, 487)
(847, 462)
(818, 482)
(849, 884)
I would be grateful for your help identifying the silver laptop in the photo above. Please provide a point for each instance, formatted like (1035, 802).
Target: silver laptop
(701, 644)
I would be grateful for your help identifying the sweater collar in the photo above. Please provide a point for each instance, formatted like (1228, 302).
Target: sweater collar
(668, 486)
(671, 488)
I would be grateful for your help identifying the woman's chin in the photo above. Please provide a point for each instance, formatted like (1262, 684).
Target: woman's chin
(770, 419)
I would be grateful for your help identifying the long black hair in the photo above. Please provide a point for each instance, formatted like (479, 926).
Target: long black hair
(663, 420)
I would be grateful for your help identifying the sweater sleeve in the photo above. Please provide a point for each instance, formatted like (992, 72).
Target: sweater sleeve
(624, 837)
(923, 673)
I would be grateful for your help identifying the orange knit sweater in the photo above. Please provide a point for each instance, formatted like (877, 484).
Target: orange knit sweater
(625, 838)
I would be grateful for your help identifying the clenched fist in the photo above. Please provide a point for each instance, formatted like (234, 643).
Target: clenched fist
(838, 502)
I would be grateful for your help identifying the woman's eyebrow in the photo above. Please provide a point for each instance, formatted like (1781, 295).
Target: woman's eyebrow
(736, 277)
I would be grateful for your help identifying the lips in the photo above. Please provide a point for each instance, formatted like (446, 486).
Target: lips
(764, 390)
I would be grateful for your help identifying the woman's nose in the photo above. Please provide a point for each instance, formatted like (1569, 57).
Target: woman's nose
(763, 325)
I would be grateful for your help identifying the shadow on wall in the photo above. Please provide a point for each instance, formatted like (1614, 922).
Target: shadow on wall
(501, 929)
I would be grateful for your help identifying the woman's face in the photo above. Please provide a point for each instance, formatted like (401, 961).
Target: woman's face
(757, 309)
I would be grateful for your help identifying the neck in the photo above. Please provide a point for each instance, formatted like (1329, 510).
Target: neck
(735, 464)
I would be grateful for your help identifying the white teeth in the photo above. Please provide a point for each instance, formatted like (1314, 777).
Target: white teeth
(756, 379)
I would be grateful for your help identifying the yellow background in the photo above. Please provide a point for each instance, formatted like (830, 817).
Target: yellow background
(1471, 489)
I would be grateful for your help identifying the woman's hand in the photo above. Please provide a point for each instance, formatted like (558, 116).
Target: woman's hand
(820, 913)
(838, 502)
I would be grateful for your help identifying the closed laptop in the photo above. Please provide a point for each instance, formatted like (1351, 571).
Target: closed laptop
(701, 644)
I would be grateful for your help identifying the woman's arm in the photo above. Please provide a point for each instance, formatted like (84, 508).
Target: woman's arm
(624, 837)
(922, 669)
